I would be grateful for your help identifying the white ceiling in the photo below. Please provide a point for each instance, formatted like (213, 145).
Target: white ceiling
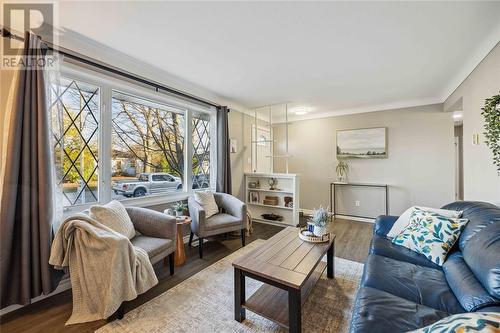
(335, 57)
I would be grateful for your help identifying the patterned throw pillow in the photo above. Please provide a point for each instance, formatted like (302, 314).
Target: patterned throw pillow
(403, 221)
(430, 234)
(484, 322)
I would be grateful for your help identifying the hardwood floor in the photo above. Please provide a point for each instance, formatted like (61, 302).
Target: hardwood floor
(49, 315)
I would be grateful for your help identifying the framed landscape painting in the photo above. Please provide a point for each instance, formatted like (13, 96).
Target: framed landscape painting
(362, 143)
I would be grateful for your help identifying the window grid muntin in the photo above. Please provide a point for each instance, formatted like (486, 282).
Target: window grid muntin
(59, 106)
(201, 144)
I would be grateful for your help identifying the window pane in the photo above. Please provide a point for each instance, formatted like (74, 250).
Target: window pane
(201, 150)
(147, 147)
(75, 108)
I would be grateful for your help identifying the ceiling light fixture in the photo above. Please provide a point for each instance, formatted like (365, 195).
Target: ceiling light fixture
(301, 111)
(457, 115)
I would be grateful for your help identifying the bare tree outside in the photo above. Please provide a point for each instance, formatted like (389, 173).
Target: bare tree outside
(153, 136)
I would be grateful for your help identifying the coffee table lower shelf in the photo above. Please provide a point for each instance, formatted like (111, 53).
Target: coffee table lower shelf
(272, 302)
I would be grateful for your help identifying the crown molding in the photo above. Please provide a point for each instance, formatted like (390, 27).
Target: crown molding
(371, 108)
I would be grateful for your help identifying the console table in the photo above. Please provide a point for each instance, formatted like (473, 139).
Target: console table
(333, 206)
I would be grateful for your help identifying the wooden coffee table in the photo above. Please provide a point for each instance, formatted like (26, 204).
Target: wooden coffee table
(289, 268)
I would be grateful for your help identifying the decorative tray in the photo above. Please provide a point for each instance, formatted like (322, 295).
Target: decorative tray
(308, 236)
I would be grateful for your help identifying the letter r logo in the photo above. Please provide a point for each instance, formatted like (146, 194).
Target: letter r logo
(35, 17)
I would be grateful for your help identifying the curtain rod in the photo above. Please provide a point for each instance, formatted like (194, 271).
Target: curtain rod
(108, 68)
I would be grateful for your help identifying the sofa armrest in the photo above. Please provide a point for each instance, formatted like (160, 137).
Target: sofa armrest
(152, 223)
(197, 214)
(383, 224)
(232, 205)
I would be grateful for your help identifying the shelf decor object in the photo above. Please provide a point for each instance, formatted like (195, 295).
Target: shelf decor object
(272, 217)
(271, 200)
(283, 201)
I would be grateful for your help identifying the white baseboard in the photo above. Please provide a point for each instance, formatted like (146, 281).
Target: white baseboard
(307, 212)
(358, 219)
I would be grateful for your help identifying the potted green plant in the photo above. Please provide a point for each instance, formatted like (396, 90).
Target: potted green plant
(341, 170)
(491, 114)
(319, 220)
(179, 208)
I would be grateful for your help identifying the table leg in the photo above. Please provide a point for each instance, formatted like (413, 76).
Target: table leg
(239, 295)
(330, 260)
(331, 208)
(180, 253)
(294, 311)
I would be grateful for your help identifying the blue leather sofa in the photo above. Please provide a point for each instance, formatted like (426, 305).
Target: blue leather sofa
(401, 290)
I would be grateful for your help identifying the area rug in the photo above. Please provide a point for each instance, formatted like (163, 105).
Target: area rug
(204, 303)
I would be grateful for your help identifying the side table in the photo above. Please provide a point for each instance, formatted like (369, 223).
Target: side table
(180, 253)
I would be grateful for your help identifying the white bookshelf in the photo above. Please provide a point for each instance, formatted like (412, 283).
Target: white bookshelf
(288, 185)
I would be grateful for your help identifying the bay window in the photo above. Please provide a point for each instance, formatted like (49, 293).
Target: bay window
(117, 141)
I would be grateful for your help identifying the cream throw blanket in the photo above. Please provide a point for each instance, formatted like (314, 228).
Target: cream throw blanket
(105, 268)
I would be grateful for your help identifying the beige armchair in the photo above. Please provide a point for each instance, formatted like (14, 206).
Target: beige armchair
(157, 234)
(231, 218)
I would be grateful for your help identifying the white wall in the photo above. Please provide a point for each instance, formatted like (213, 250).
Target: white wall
(419, 169)
(481, 180)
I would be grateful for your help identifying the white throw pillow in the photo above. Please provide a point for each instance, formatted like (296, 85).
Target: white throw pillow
(114, 216)
(403, 221)
(207, 201)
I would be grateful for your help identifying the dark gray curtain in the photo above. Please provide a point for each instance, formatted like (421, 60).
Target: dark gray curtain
(26, 208)
(223, 157)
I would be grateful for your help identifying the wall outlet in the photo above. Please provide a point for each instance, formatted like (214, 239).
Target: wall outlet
(357, 203)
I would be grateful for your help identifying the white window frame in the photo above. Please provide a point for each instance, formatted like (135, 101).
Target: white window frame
(107, 85)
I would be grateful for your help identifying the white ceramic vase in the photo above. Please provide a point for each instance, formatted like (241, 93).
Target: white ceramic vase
(319, 231)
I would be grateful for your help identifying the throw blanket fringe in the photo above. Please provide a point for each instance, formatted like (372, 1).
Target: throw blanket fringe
(105, 268)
